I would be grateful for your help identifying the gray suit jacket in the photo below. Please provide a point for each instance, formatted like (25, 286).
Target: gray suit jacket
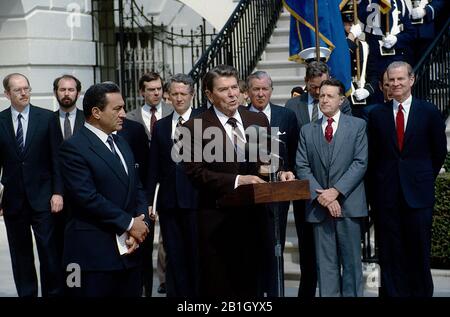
(345, 171)
(299, 105)
(136, 115)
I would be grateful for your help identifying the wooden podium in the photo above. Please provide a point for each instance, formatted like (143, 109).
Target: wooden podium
(266, 193)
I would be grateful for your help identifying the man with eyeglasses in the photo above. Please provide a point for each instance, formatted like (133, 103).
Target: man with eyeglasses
(32, 188)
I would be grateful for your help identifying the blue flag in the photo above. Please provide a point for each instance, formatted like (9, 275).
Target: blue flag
(331, 34)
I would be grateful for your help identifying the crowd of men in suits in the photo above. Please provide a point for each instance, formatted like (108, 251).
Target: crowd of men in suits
(89, 182)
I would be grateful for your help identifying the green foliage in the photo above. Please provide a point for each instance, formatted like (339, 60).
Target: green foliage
(447, 163)
(440, 241)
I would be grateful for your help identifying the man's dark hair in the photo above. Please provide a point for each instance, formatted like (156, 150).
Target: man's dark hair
(150, 76)
(8, 77)
(66, 76)
(95, 96)
(336, 83)
(297, 89)
(316, 69)
(219, 71)
(180, 78)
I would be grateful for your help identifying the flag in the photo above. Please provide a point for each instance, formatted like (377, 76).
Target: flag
(331, 34)
(385, 6)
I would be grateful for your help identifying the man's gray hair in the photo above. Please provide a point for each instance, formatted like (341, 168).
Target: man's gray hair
(183, 79)
(258, 75)
(399, 64)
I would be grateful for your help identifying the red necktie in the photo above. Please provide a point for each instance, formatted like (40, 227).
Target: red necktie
(329, 130)
(400, 123)
(152, 118)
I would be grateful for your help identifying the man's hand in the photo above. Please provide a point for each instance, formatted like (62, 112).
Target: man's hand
(326, 196)
(249, 179)
(139, 230)
(286, 176)
(335, 209)
(56, 203)
(132, 244)
(356, 30)
(151, 214)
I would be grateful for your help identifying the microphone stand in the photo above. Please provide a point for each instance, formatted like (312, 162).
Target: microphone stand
(275, 206)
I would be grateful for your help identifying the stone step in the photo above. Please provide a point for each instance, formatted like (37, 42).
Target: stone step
(282, 68)
(275, 52)
(284, 85)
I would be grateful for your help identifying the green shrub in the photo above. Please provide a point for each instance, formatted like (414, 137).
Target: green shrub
(440, 240)
(447, 163)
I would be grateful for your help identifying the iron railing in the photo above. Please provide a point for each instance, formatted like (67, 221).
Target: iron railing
(433, 72)
(135, 44)
(241, 41)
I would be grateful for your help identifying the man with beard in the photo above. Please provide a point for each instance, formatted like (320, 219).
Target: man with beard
(69, 119)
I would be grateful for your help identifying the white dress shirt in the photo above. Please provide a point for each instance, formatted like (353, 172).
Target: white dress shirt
(175, 117)
(25, 116)
(229, 130)
(266, 110)
(334, 125)
(62, 118)
(147, 114)
(406, 108)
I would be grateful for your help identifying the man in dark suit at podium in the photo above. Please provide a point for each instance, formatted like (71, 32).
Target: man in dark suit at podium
(230, 245)
(407, 147)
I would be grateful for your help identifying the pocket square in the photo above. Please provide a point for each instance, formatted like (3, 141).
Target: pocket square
(281, 133)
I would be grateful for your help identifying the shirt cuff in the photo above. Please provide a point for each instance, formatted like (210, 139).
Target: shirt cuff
(236, 181)
(131, 224)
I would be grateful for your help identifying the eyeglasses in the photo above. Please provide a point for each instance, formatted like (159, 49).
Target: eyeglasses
(18, 91)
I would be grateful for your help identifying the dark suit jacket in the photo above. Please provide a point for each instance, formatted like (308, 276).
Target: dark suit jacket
(134, 133)
(226, 234)
(102, 200)
(79, 122)
(285, 120)
(412, 171)
(33, 175)
(216, 179)
(176, 190)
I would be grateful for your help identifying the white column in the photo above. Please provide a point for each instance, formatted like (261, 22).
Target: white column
(44, 39)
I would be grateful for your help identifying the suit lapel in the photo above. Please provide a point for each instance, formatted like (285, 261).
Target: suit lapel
(107, 156)
(127, 156)
(303, 109)
(411, 123)
(8, 126)
(61, 136)
(79, 121)
(33, 120)
(389, 122)
(318, 140)
(340, 136)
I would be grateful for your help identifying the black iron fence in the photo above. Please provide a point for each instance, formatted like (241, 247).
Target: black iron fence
(241, 41)
(433, 72)
(130, 44)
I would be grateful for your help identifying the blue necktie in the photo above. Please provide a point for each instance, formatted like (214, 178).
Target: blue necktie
(19, 133)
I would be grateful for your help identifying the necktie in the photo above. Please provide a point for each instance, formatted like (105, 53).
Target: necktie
(315, 111)
(67, 127)
(19, 133)
(329, 130)
(177, 136)
(400, 123)
(152, 118)
(110, 141)
(238, 138)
